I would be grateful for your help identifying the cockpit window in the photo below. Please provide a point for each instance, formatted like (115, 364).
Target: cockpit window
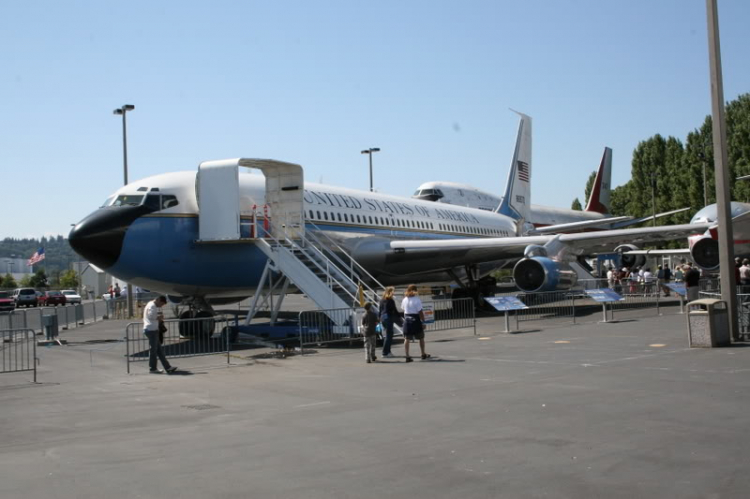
(108, 201)
(153, 201)
(128, 200)
(168, 201)
(416, 193)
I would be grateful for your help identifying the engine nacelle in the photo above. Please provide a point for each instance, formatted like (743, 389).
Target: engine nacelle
(704, 251)
(543, 274)
(630, 261)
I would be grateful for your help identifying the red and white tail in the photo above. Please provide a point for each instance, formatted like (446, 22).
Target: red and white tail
(599, 198)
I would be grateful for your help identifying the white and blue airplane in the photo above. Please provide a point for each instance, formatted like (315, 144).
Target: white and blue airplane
(146, 233)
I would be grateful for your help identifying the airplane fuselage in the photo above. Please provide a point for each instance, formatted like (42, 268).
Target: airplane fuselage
(147, 232)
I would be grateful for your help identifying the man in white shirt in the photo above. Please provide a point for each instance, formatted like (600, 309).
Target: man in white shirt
(152, 318)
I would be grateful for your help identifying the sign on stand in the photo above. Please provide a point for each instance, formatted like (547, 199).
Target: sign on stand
(506, 304)
(680, 290)
(604, 296)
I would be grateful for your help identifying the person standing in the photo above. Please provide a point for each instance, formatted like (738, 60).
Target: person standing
(152, 318)
(745, 273)
(413, 318)
(369, 321)
(692, 280)
(664, 276)
(388, 315)
(117, 291)
(611, 277)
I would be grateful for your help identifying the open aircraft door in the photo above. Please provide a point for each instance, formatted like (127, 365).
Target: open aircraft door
(219, 198)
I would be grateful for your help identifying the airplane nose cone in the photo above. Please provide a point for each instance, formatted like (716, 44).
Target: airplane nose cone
(98, 238)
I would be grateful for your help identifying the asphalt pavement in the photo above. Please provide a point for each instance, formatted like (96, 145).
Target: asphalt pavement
(623, 410)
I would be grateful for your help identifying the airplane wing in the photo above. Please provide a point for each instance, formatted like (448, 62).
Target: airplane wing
(586, 224)
(458, 252)
(636, 221)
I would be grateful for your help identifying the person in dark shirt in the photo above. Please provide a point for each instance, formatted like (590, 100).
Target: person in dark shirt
(692, 279)
(369, 321)
(388, 316)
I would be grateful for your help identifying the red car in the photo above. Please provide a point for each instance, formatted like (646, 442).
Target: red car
(7, 304)
(50, 298)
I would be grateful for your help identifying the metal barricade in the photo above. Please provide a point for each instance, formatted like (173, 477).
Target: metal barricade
(322, 327)
(183, 338)
(452, 314)
(18, 351)
(547, 305)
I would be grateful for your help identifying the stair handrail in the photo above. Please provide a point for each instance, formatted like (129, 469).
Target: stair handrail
(293, 243)
(354, 262)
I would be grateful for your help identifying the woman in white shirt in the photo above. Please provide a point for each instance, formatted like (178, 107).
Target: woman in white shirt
(413, 317)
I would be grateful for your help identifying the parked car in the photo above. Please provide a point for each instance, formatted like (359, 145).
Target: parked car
(50, 298)
(71, 296)
(7, 304)
(26, 297)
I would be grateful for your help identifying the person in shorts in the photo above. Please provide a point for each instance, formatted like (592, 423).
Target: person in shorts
(413, 317)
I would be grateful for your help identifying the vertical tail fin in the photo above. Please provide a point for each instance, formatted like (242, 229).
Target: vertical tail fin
(516, 201)
(599, 198)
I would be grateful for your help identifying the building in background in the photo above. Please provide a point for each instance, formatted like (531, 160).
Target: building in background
(16, 267)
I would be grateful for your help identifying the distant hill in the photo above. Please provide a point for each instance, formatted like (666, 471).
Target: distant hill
(58, 253)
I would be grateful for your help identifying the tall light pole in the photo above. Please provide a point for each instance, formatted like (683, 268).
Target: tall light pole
(123, 111)
(721, 171)
(369, 153)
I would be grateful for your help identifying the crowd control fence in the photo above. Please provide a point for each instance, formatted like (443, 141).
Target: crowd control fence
(183, 338)
(68, 316)
(344, 325)
(18, 351)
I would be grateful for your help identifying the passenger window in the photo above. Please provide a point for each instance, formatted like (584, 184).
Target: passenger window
(339, 216)
(346, 217)
(358, 220)
(319, 218)
(325, 215)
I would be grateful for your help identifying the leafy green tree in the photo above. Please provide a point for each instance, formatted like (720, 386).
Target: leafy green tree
(8, 282)
(25, 281)
(38, 280)
(576, 205)
(68, 279)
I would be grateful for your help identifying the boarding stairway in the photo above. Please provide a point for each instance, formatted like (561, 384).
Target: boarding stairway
(309, 259)
(320, 268)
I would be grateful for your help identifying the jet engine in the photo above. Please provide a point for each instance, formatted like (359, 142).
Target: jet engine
(630, 261)
(705, 252)
(540, 273)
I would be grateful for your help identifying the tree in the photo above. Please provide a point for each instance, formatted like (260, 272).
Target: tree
(25, 281)
(68, 279)
(38, 280)
(8, 282)
(576, 205)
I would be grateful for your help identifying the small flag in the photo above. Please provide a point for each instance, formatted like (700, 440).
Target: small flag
(523, 171)
(36, 257)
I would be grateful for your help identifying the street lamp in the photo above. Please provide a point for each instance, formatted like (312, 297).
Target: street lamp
(123, 111)
(369, 153)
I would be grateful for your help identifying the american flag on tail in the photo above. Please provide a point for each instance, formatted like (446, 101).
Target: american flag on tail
(523, 171)
(36, 257)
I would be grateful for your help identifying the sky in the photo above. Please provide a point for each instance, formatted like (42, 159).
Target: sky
(431, 83)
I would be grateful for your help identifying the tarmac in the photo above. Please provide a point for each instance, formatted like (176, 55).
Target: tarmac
(573, 411)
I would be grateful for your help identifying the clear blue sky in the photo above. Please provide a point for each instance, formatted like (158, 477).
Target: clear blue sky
(315, 82)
